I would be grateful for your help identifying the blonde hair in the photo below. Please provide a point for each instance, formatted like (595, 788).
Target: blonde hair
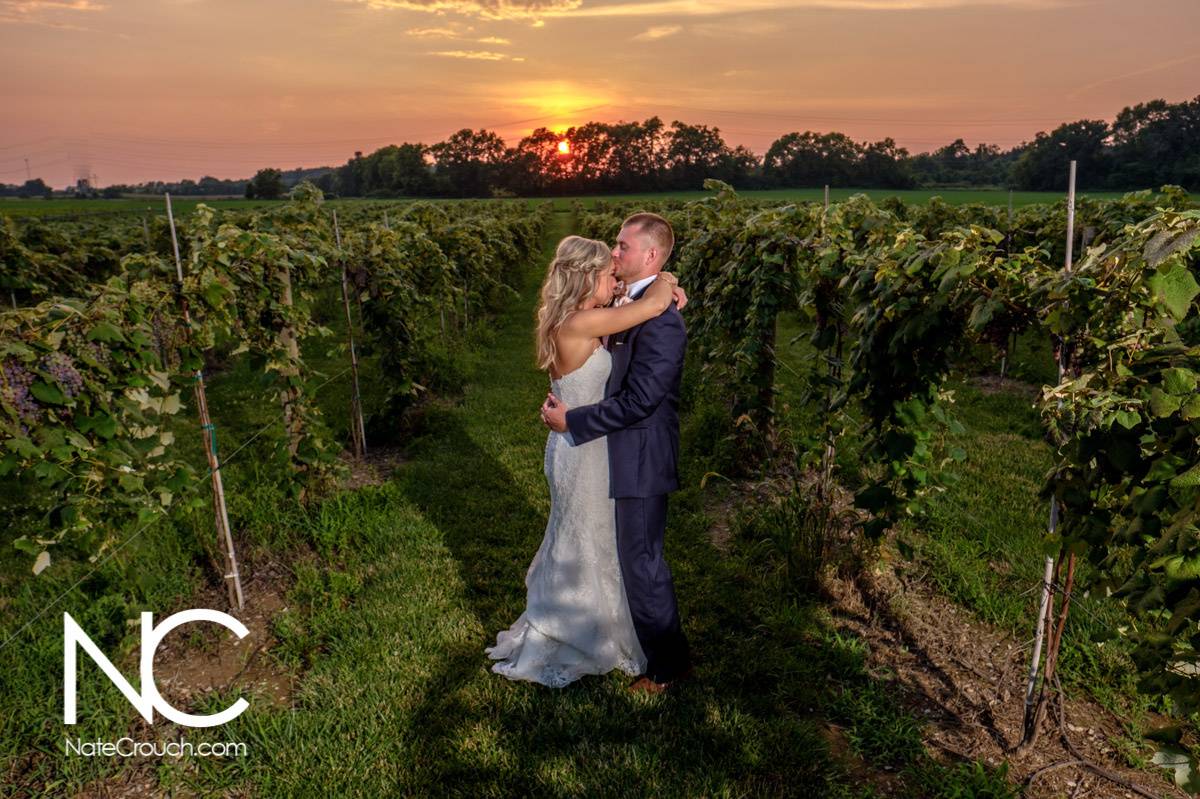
(572, 278)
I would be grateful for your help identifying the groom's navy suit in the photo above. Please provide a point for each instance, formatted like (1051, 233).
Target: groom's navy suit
(639, 414)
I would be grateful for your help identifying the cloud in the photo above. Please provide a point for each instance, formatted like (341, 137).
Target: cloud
(493, 40)
(475, 55)
(423, 32)
(539, 10)
(658, 32)
(704, 8)
(45, 12)
(486, 9)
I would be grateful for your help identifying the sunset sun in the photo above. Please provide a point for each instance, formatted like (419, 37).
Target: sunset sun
(564, 147)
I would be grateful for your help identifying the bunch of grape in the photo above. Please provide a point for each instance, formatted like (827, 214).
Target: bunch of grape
(75, 342)
(61, 367)
(168, 337)
(14, 388)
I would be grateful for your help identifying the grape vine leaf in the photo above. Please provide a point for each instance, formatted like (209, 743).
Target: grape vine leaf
(1175, 288)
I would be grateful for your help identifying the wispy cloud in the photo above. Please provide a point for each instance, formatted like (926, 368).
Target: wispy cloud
(46, 12)
(476, 55)
(493, 40)
(429, 32)
(658, 32)
(544, 9)
(705, 8)
(486, 9)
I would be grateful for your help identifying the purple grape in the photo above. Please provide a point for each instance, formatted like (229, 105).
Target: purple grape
(15, 388)
(60, 366)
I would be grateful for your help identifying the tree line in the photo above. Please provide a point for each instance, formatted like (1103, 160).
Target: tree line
(1148, 145)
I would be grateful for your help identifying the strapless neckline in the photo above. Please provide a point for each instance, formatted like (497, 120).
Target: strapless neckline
(581, 366)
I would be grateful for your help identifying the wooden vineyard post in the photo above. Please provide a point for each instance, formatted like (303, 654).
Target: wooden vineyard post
(358, 431)
(826, 195)
(290, 396)
(233, 580)
(146, 232)
(1046, 629)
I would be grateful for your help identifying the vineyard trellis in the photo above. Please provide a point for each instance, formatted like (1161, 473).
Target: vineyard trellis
(895, 295)
(90, 381)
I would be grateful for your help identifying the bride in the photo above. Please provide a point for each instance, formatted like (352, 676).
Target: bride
(576, 618)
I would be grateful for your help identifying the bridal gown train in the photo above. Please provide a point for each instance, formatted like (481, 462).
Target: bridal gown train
(576, 618)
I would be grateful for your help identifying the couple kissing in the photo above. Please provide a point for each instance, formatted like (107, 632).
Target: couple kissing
(599, 593)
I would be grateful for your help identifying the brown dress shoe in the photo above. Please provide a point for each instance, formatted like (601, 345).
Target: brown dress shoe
(645, 685)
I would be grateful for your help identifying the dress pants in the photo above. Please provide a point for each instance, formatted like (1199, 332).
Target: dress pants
(641, 528)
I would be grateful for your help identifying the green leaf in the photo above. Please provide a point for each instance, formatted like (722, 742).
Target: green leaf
(105, 331)
(1127, 419)
(25, 545)
(1189, 479)
(47, 393)
(1162, 404)
(1179, 381)
(1175, 289)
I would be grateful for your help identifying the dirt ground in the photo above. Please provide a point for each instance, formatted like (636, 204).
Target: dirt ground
(968, 681)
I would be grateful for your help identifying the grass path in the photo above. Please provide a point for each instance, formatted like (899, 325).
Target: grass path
(398, 698)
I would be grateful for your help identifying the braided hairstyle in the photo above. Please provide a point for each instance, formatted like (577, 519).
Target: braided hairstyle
(572, 278)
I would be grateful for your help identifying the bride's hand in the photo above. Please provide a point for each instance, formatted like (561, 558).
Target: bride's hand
(677, 292)
(680, 296)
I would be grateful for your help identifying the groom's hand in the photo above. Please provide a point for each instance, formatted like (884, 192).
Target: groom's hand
(554, 414)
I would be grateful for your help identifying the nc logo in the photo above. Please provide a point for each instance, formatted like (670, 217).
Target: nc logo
(149, 700)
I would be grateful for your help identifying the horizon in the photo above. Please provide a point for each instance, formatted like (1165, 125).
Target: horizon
(210, 87)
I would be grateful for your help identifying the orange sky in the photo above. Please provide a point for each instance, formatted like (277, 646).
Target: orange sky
(132, 90)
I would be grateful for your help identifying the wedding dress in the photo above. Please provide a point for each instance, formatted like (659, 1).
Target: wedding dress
(576, 618)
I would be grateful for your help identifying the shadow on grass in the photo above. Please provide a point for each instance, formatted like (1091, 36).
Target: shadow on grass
(743, 725)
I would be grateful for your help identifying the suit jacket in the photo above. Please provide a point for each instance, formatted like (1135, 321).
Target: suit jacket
(640, 411)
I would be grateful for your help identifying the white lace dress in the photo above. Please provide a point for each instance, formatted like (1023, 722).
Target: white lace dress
(576, 618)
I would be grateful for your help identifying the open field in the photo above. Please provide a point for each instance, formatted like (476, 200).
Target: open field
(56, 207)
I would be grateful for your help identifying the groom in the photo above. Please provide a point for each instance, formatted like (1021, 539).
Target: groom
(639, 414)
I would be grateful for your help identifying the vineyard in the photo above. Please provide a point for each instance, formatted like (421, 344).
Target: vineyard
(833, 419)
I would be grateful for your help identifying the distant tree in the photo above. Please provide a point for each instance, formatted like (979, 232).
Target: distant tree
(740, 168)
(637, 156)
(1155, 143)
(469, 162)
(34, 188)
(812, 159)
(694, 152)
(884, 165)
(267, 184)
(1044, 165)
(535, 165)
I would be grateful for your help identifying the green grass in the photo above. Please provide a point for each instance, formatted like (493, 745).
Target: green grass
(413, 578)
(155, 205)
(981, 543)
(59, 206)
(916, 196)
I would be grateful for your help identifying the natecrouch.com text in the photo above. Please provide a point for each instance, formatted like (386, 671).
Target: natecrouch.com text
(127, 747)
